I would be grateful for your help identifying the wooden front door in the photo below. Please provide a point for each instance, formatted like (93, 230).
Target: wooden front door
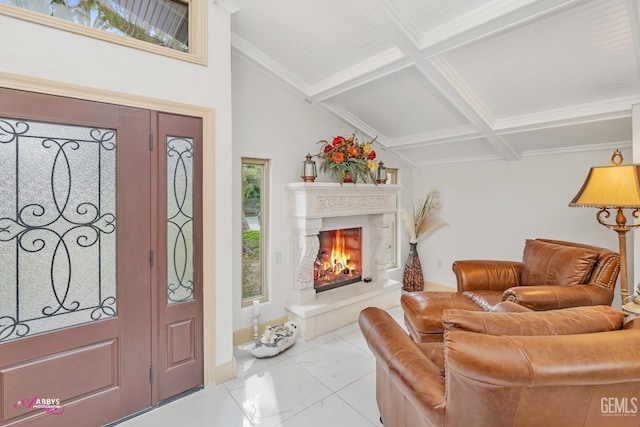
(75, 337)
(79, 291)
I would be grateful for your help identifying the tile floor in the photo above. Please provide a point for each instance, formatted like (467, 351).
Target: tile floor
(327, 381)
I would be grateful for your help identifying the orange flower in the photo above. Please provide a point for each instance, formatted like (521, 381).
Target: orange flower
(353, 151)
(338, 157)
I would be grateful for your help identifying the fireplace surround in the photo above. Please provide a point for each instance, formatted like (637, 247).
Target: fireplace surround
(316, 207)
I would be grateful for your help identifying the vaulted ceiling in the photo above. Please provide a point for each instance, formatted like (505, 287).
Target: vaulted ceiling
(442, 81)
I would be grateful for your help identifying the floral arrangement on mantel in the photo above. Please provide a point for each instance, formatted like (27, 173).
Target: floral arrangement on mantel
(420, 222)
(347, 159)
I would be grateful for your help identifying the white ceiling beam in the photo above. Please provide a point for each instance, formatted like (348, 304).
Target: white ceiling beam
(424, 52)
(455, 91)
(574, 115)
(382, 65)
(497, 18)
(462, 133)
(467, 103)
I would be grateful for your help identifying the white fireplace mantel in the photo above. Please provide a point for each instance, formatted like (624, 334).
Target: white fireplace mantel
(329, 199)
(317, 206)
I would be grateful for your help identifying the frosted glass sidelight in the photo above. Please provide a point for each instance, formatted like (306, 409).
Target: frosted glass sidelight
(179, 219)
(57, 226)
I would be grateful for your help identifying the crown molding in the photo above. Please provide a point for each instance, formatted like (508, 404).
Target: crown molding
(250, 52)
(578, 149)
(354, 122)
(229, 5)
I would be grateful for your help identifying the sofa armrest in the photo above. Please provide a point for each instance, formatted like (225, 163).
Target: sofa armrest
(487, 274)
(538, 377)
(555, 297)
(414, 374)
(533, 361)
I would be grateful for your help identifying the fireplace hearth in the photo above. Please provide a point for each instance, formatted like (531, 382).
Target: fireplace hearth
(318, 210)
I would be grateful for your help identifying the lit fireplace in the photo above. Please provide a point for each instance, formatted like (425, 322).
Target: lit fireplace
(339, 260)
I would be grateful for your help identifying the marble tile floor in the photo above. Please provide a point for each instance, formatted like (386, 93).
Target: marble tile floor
(327, 381)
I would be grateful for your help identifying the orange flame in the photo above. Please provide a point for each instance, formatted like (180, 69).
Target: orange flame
(340, 259)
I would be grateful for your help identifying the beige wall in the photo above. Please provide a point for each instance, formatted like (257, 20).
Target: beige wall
(492, 207)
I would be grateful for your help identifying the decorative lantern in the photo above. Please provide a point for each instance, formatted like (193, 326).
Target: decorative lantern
(381, 174)
(309, 172)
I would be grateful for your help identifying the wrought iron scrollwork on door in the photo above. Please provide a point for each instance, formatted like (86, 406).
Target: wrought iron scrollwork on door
(57, 226)
(179, 219)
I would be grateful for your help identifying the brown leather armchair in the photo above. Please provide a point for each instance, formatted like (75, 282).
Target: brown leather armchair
(553, 274)
(572, 367)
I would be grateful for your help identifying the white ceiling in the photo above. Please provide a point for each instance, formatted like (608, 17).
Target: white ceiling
(442, 81)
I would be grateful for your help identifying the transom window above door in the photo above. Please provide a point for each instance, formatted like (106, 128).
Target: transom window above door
(165, 24)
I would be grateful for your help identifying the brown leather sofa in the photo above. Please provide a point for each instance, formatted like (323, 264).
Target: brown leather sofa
(571, 367)
(553, 274)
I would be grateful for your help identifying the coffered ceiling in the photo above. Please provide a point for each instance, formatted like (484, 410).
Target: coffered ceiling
(443, 81)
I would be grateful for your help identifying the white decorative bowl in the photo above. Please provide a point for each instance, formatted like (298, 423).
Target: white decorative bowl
(275, 340)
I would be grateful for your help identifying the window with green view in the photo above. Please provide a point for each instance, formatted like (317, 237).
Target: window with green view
(254, 229)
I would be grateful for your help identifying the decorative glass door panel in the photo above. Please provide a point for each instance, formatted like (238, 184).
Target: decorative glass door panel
(180, 359)
(179, 219)
(57, 229)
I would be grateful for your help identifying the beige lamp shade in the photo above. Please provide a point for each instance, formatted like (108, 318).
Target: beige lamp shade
(610, 186)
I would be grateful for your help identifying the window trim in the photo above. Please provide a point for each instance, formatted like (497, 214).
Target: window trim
(395, 231)
(197, 31)
(264, 228)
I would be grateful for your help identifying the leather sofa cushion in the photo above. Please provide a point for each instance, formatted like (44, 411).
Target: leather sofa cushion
(575, 320)
(551, 264)
(423, 312)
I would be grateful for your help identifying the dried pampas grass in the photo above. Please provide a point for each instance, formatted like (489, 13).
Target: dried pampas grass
(420, 222)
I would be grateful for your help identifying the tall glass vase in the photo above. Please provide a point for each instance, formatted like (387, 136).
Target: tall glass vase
(413, 280)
